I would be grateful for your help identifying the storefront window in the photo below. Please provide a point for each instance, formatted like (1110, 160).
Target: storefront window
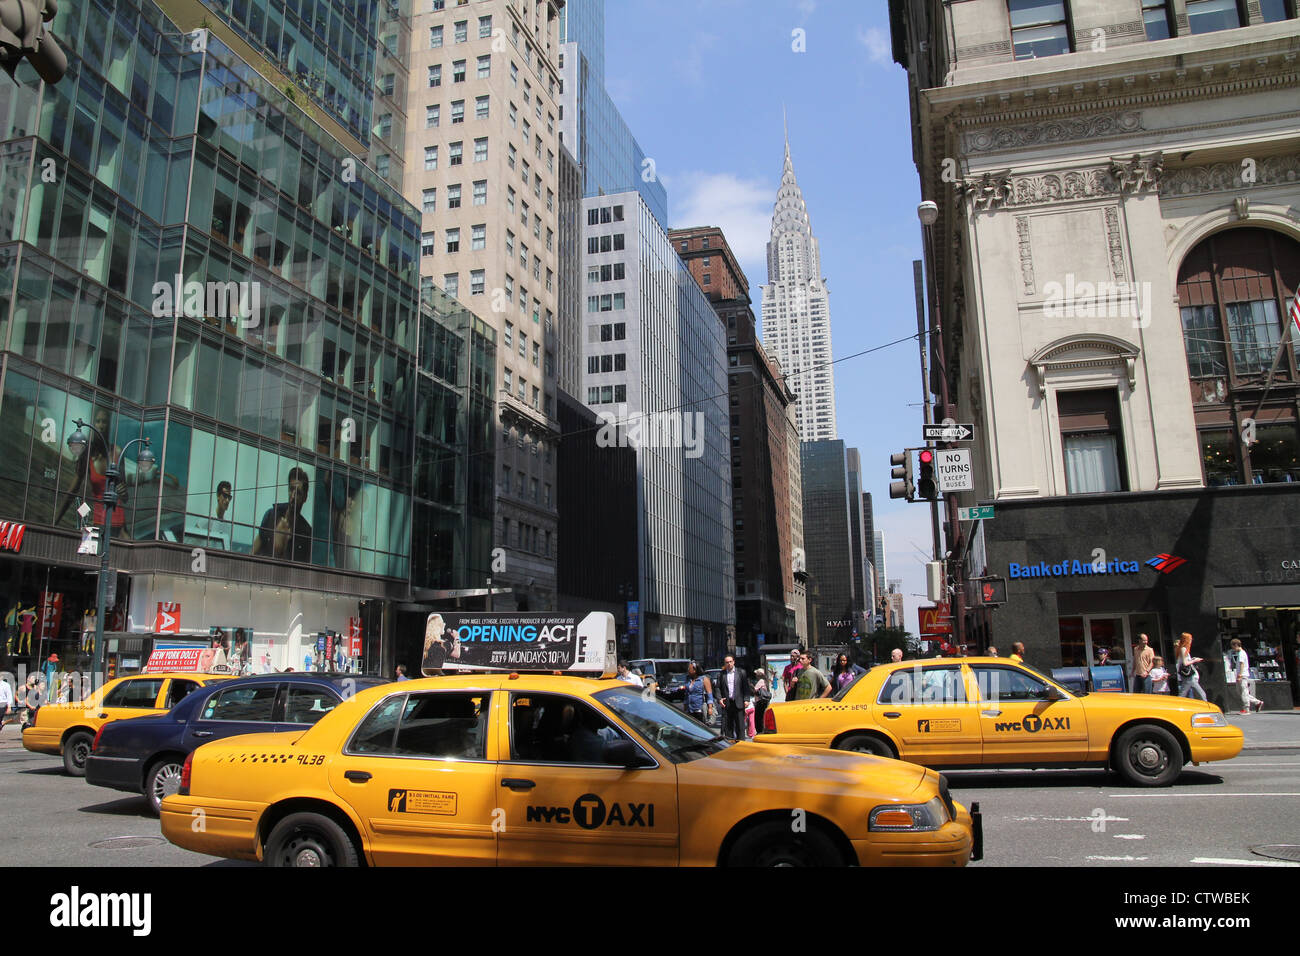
(1275, 456)
(1219, 457)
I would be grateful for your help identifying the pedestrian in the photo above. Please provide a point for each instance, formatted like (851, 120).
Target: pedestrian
(791, 671)
(993, 651)
(1159, 677)
(896, 655)
(762, 697)
(1103, 656)
(33, 695)
(626, 675)
(844, 673)
(1189, 681)
(811, 683)
(1144, 656)
(6, 701)
(401, 672)
(699, 693)
(1241, 667)
(733, 692)
(1018, 652)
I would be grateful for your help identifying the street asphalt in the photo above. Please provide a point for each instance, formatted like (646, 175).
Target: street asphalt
(1212, 817)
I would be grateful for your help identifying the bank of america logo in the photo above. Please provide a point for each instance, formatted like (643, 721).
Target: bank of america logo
(1164, 563)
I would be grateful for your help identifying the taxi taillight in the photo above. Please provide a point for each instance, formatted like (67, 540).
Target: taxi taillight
(185, 774)
(769, 722)
(99, 733)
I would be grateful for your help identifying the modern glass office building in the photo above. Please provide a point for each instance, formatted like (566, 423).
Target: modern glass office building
(187, 257)
(591, 125)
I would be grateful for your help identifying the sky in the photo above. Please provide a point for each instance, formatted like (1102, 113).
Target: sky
(702, 85)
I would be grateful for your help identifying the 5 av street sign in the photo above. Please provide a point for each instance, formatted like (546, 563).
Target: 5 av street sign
(975, 514)
(941, 431)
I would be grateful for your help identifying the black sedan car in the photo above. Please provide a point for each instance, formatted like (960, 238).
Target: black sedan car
(145, 754)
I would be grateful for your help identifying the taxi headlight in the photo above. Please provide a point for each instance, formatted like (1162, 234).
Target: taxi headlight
(909, 817)
(1215, 719)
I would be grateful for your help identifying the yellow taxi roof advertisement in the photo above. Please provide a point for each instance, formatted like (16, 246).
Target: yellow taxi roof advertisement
(581, 644)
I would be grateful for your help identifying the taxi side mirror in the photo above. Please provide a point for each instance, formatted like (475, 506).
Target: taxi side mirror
(1054, 693)
(622, 753)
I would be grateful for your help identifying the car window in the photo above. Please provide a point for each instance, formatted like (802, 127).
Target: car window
(923, 685)
(377, 731)
(178, 690)
(306, 705)
(1008, 683)
(242, 703)
(444, 724)
(552, 728)
(679, 737)
(134, 693)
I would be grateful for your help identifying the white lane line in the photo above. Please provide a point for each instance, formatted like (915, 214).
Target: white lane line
(1166, 796)
(1106, 819)
(1120, 859)
(1129, 836)
(1216, 861)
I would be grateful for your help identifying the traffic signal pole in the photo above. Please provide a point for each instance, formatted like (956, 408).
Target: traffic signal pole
(927, 399)
(928, 210)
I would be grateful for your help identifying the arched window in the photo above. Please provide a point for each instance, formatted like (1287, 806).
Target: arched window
(1234, 292)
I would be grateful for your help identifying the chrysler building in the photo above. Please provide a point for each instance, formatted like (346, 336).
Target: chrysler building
(796, 310)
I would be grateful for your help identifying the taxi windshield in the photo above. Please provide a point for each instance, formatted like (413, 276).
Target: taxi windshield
(678, 737)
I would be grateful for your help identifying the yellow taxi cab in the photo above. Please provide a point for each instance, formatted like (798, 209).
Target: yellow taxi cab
(984, 712)
(546, 769)
(69, 729)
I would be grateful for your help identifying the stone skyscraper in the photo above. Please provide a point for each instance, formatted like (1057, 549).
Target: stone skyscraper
(796, 310)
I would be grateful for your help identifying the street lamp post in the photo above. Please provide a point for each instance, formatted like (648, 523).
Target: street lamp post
(928, 213)
(78, 443)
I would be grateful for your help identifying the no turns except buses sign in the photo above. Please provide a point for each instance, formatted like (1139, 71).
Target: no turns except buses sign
(952, 468)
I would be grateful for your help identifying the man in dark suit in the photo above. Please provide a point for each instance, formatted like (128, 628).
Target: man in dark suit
(733, 691)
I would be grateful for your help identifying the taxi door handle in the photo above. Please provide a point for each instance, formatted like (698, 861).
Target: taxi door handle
(102, 716)
(990, 713)
(891, 713)
(357, 776)
(202, 733)
(517, 783)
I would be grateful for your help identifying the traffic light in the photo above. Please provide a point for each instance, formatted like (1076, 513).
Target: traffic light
(23, 34)
(926, 486)
(902, 468)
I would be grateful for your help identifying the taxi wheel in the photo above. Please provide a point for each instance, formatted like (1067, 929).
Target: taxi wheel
(164, 779)
(1148, 756)
(309, 840)
(775, 844)
(75, 751)
(866, 744)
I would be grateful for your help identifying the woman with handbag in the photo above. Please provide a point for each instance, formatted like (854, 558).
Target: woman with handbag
(699, 693)
(1189, 679)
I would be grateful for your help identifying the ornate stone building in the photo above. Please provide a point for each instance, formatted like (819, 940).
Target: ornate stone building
(1117, 248)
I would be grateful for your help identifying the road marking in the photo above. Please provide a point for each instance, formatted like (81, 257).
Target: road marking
(1120, 859)
(1252, 766)
(1165, 796)
(1130, 836)
(1107, 819)
(1215, 861)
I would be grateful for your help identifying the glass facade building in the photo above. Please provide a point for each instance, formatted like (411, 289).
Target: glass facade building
(591, 125)
(186, 257)
(828, 545)
(326, 46)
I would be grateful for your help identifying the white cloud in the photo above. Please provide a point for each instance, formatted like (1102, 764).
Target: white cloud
(877, 44)
(742, 208)
(806, 7)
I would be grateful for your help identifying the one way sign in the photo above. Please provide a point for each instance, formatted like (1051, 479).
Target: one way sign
(947, 431)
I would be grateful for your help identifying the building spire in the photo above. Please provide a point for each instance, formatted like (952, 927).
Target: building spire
(786, 127)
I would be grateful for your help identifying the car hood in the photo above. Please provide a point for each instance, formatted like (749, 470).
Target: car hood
(1145, 704)
(815, 769)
